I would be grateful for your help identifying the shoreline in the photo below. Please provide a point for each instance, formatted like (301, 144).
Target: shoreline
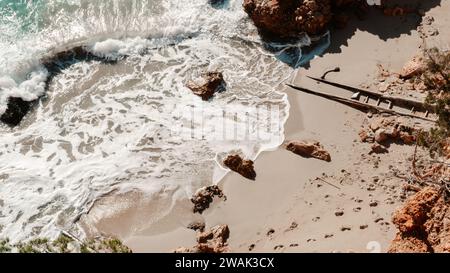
(286, 199)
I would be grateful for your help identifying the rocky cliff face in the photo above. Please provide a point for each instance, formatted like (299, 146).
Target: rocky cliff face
(290, 18)
(423, 224)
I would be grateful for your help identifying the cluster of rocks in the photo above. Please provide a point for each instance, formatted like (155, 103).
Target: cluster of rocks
(204, 197)
(207, 85)
(212, 241)
(384, 130)
(241, 166)
(423, 224)
(309, 149)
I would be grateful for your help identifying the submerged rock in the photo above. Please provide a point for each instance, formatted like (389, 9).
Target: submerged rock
(210, 83)
(204, 197)
(242, 167)
(309, 149)
(423, 223)
(16, 111)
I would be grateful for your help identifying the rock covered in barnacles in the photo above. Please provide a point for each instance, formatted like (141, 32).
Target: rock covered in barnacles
(241, 166)
(309, 149)
(208, 85)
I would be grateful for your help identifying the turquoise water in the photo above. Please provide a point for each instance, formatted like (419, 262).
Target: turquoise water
(24, 14)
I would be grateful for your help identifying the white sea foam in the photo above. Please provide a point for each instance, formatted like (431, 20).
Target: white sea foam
(132, 125)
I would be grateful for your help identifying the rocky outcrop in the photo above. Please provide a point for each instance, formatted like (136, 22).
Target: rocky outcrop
(211, 241)
(16, 111)
(309, 149)
(241, 166)
(289, 18)
(208, 85)
(204, 197)
(423, 224)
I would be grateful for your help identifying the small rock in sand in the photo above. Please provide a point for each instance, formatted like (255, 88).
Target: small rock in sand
(197, 226)
(373, 204)
(309, 149)
(363, 226)
(242, 167)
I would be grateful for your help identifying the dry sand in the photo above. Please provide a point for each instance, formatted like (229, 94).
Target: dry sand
(286, 209)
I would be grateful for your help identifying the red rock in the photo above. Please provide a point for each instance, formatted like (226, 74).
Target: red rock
(309, 149)
(211, 241)
(423, 223)
(289, 18)
(365, 136)
(211, 83)
(413, 68)
(378, 149)
(242, 167)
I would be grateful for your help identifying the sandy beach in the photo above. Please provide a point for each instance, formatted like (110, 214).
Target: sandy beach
(298, 204)
(225, 126)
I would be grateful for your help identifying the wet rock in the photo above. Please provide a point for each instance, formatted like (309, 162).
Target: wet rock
(208, 85)
(204, 197)
(241, 166)
(309, 149)
(289, 19)
(16, 111)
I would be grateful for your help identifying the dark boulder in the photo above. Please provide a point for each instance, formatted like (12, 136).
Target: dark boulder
(16, 111)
